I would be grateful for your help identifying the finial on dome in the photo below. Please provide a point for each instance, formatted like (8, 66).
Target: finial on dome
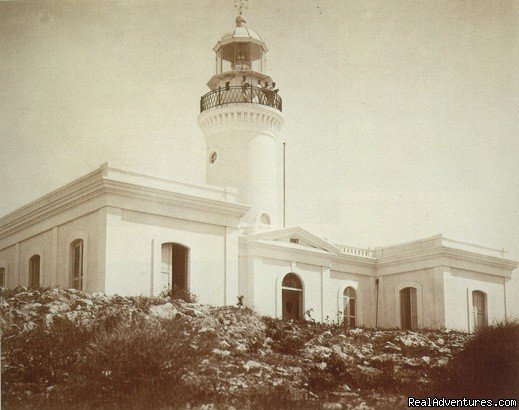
(240, 5)
(240, 21)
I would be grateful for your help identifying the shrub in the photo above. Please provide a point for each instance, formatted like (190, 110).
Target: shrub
(334, 374)
(141, 363)
(284, 339)
(39, 359)
(488, 366)
(178, 293)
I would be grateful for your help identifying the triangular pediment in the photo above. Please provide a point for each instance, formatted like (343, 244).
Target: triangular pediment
(296, 237)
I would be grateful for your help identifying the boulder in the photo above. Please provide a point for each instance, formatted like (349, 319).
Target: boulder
(193, 312)
(57, 307)
(52, 295)
(165, 311)
(252, 364)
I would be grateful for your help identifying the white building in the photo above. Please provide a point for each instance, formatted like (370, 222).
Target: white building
(119, 231)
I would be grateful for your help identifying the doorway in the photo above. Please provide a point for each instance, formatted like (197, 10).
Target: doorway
(175, 259)
(292, 297)
(408, 309)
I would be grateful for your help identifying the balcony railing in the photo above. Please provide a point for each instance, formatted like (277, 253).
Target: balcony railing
(240, 94)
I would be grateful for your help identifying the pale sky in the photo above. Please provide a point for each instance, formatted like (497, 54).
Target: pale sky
(401, 116)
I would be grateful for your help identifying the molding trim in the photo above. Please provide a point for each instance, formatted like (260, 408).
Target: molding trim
(103, 183)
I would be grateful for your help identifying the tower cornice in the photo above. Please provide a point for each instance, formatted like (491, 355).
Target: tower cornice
(241, 116)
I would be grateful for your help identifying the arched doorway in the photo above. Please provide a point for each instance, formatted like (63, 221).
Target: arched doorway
(34, 271)
(175, 266)
(479, 309)
(350, 307)
(408, 308)
(292, 297)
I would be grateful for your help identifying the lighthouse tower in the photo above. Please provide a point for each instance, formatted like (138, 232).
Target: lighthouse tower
(241, 117)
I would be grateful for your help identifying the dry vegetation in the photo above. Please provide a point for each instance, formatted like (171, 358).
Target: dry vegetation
(68, 349)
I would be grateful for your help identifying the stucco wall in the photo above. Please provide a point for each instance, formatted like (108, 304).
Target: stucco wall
(459, 285)
(429, 298)
(9, 261)
(321, 288)
(338, 282)
(53, 246)
(134, 242)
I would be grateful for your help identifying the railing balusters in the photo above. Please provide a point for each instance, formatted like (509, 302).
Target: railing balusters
(238, 94)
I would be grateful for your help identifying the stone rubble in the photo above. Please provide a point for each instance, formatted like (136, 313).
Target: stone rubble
(247, 352)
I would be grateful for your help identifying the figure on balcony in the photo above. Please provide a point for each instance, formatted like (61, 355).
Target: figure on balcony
(250, 94)
(269, 92)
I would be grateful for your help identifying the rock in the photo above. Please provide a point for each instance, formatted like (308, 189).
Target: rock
(322, 365)
(332, 406)
(165, 311)
(193, 312)
(32, 307)
(85, 302)
(224, 344)
(426, 359)
(78, 316)
(28, 326)
(53, 295)
(392, 347)
(57, 307)
(221, 352)
(252, 364)
(48, 320)
(318, 351)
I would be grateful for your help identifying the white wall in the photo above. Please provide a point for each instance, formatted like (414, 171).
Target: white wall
(363, 286)
(261, 280)
(429, 298)
(459, 285)
(53, 246)
(134, 241)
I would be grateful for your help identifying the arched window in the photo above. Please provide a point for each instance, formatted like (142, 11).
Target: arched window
(350, 307)
(34, 271)
(408, 308)
(479, 309)
(292, 297)
(2, 277)
(77, 274)
(175, 266)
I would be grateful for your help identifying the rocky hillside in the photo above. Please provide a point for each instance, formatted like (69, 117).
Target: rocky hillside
(65, 348)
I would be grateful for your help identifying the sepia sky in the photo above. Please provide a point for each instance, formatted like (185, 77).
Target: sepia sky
(401, 116)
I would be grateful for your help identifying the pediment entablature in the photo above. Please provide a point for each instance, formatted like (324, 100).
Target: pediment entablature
(296, 237)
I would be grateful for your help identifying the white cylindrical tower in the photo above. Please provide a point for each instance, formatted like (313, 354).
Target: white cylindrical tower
(241, 117)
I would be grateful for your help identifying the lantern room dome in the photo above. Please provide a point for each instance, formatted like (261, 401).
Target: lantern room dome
(241, 34)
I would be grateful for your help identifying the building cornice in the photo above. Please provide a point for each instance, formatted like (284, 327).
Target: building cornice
(445, 256)
(264, 245)
(111, 182)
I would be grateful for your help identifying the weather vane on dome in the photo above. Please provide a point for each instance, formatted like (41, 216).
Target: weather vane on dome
(240, 5)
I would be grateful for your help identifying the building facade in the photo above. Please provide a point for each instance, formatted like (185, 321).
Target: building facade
(119, 231)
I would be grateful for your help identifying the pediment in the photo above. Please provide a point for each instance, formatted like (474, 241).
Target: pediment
(296, 237)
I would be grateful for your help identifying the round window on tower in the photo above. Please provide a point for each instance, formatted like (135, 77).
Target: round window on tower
(265, 219)
(213, 156)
